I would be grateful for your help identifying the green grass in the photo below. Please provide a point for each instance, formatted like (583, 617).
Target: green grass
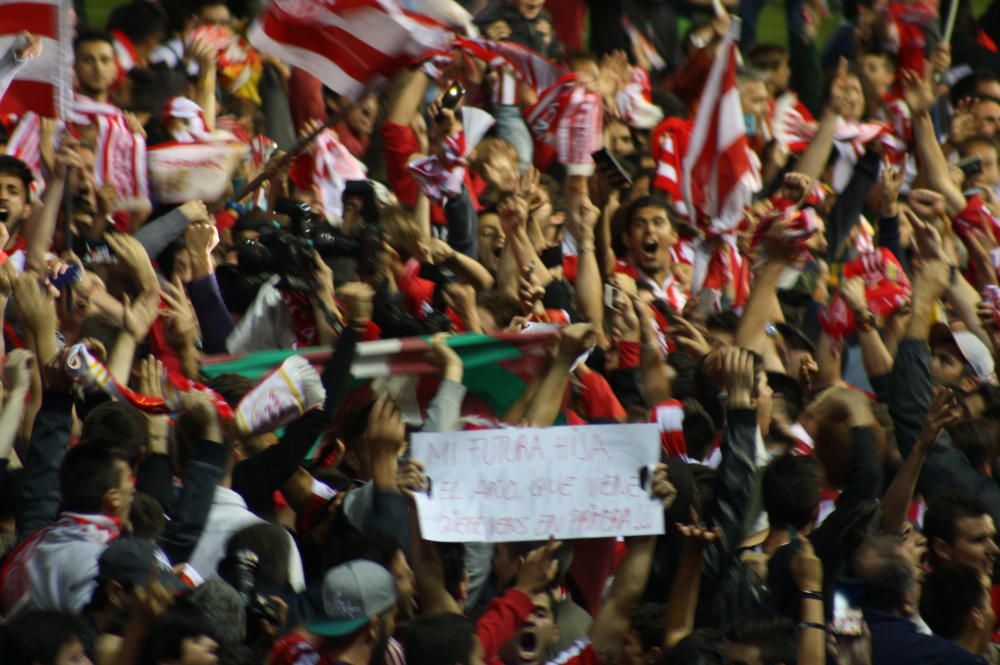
(771, 29)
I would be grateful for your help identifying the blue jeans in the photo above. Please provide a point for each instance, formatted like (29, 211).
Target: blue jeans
(512, 129)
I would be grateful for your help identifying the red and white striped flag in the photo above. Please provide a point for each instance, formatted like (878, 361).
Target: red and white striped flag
(43, 85)
(347, 44)
(529, 67)
(720, 171)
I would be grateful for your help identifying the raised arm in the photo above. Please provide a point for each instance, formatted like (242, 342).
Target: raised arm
(682, 604)
(813, 161)
(918, 93)
(583, 218)
(43, 222)
(875, 356)
(944, 411)
(547, 404)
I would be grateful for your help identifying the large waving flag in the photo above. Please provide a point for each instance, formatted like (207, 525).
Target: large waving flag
(43, 84)
(496, 368)
(720, 171)
(349, 45)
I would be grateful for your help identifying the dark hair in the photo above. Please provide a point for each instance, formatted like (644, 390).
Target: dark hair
(685, 366)
(92, 35)
(442, 638)
(649, 623)
(767, 57)
(183, 621)
(699, 430)
(232, 387)
(702, 647)
(500, 307)
(727, 321)
(885, 573)
(977, 141)
(118, 426)
(453, 565)
(36, 637)
(146, 517)
(944, 509)
(139, 20)
(347, 543)
(791, 489)
(976, 439)
(774, 636)
(14, 167)
(875, 50)
(708, 385)
(88, 472)
(947, 596)
(650, 201)
(271, 545)
(150, 88)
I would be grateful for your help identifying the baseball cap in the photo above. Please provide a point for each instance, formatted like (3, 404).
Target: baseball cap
(132, 560)
(970, 347)
(353, 593)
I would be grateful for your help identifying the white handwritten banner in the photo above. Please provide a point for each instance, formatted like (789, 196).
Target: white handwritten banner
(507, 485)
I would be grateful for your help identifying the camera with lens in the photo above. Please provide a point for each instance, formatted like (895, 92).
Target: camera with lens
(240, 571)
(290, 252)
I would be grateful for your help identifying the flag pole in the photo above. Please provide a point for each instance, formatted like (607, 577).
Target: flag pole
(302, 144)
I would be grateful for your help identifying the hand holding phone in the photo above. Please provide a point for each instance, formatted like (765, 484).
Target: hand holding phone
(609, 165)
(451, 99)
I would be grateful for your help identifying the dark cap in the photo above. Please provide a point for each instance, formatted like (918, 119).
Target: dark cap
(132, 560)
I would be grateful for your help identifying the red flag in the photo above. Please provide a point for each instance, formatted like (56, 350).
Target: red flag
(721, 173)
(346, 44)
(43, 84)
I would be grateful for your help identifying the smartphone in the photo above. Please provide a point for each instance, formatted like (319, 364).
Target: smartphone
(848, 619)
(611, 296)
(71, 276)
(607, 161)
(971, 166)
(452, 98)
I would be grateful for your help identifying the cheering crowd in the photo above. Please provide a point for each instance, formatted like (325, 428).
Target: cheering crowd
(785, 256)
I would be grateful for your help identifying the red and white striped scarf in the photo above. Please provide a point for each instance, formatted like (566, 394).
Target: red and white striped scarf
(26, 144)
(120, 154)
(569, 117)
(634, 101)
(442, 176)
(328, 166)
(851, 139)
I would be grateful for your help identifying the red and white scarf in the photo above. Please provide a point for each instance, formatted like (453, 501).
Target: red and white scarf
(634, 101)
(328, 166)
(25, 143)
(441, 176)
(795, 132)
(569, 117)
(120, 154)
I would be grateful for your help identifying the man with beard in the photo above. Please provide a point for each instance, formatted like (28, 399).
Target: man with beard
(15, 200)
(359, 606)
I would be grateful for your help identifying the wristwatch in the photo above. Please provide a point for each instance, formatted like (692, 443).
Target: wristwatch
(864, 321)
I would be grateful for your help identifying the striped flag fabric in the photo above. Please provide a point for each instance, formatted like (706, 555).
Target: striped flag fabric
(43, 85)
(720, 171)
(529, 67)
(496, 369)
(349, 45)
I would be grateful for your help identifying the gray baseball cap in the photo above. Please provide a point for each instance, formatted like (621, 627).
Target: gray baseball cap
(353, 593)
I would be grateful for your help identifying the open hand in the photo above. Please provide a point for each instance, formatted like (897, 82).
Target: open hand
(538, 568)
(738, 376)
